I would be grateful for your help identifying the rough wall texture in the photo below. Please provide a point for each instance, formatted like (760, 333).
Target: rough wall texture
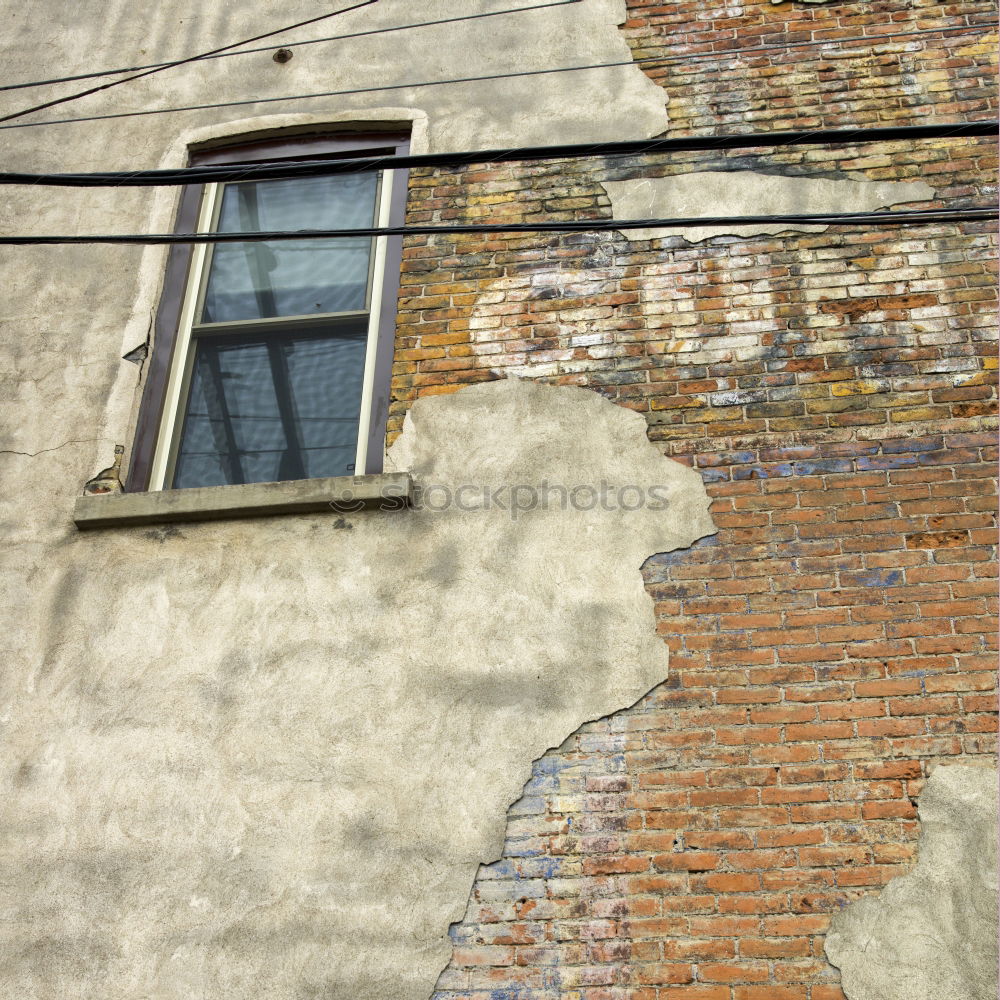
(268, 758)
(835, 391)
(518, 103)
(747, 192)
(933, 932)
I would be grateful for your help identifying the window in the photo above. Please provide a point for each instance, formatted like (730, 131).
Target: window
(271, 359)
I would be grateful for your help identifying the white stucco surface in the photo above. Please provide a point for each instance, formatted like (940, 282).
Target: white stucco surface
(749, 192)
(931, 934)
(266, 758)
(403, 67)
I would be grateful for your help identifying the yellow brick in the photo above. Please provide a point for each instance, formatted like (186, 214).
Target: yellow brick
(980, 378)
(859, 387)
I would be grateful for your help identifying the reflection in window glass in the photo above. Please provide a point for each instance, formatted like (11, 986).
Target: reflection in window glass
(296, 278)
(265, 408)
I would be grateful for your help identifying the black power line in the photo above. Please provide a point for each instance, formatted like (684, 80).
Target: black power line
(647, 63)
(292, 45)
(183, 62)
(654, 61)
(635, 147)
(906, 217)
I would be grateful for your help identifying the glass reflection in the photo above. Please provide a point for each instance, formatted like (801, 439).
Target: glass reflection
(249, 281)
(268, 407)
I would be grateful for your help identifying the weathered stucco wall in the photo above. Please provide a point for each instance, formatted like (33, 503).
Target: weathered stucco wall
(749, 192)
(932, 933)
(70, 313)
(551, 107)
(268, 757)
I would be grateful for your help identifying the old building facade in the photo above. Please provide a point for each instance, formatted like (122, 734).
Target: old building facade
(568, 751)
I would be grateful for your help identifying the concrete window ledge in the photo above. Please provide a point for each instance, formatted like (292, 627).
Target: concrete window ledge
(340, 494)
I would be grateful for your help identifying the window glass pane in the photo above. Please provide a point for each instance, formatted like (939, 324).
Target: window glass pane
(268, 408)
(298, 277)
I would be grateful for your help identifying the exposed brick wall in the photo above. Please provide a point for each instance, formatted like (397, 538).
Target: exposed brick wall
(811, 72)
(836, 391)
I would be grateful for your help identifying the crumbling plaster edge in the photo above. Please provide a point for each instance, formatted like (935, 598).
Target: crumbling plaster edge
(692, 235)
(839, 954)
(494, 854)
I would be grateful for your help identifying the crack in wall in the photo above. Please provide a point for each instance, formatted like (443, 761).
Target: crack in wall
(339, 719)
(43, 451)
(750, 192)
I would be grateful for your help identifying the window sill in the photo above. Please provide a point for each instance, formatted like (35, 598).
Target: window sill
(340, 494)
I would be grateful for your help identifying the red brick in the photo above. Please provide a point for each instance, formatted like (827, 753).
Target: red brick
(727, 882)
(795, 793)
(774, 947)
(770, 993)
(734, 972)
(820, 731)
(614, 865)
(791, 836)
(694, 993)
(664, 973)
(697, 950)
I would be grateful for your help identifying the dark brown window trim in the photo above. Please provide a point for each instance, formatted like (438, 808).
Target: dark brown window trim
(341, 143)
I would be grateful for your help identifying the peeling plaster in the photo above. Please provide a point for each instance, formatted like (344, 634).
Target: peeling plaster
(748, 192)
(931, 934)
(115, 289)
(268, 758)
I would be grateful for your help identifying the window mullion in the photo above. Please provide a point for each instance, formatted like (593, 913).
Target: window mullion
(168, 438)
(375, 288)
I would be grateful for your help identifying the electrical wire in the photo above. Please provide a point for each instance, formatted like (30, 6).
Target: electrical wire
(905, 217)
(182, 62)
(323, 168)
(335, 93)
(288, 45)
(719, 54)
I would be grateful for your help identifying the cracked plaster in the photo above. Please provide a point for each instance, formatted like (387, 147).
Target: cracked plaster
(267, 758)
(749, 192)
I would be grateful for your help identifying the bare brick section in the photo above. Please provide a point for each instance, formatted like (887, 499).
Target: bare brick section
(836, 391)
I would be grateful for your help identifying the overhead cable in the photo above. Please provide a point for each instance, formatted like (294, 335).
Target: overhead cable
(289, 45)
(182, 62)
(655, 61)
(635, 147)
(906, 217)
(642, 63)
